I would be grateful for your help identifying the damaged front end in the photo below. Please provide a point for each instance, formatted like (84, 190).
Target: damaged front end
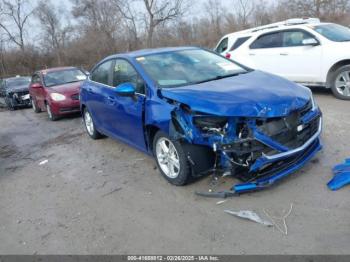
(259, 151)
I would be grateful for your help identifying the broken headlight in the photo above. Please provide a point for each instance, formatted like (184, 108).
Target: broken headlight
(210, 123)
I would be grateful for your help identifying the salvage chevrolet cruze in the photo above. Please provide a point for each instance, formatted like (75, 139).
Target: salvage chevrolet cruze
(198, 113)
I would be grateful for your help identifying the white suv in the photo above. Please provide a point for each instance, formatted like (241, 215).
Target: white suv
(302, 50)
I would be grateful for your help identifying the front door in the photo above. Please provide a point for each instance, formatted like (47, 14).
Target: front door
(125, 114)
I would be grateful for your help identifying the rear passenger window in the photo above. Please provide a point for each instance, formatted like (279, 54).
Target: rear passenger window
(102, 72)
(239, 42)
(222, 47)
(272, 40)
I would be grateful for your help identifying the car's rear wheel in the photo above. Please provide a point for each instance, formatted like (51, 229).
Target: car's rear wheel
(340, 82)
(51, 115)
(171, 159)
(90, 126)
(35, 107)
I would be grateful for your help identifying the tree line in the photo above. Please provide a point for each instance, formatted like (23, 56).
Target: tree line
(48, 35)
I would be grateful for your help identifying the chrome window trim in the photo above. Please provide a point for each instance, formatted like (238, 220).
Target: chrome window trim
(111, 86)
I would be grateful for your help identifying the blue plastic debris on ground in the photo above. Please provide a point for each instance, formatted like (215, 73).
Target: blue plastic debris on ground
(341, 176)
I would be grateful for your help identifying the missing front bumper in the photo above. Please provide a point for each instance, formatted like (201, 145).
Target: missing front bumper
(274, 174)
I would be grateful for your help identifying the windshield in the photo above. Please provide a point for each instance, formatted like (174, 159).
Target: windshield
(20, 81)
(180, 68)
(63, 77)
(334, 32)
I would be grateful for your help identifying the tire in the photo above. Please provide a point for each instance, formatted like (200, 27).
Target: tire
(35, 107)
(9, 104)
(50, 114)
(177, 176)
(340, 82)
(90, 125)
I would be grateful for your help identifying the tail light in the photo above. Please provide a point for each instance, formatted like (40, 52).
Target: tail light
(228, 55)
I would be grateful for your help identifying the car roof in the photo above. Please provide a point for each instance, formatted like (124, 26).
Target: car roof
(145, 52)
(288, 24)
(54, 69)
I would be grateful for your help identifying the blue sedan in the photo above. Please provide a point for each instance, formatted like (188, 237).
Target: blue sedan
(197, 113)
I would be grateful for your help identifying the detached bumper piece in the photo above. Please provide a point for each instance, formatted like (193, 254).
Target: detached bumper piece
(341, 176)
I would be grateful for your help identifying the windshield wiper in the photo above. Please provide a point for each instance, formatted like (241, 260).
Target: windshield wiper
(219, 77)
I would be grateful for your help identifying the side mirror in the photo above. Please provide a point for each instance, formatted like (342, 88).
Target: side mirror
(310, 41)
(125, 89)
(36, 86)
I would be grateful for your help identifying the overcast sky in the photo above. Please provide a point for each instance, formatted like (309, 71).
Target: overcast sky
(196, 10)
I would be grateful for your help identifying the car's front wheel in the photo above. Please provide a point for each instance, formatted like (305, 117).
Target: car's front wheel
(9, 103)
(340, 82)
(90, 126)
(171, 159)
(51, 115)
(35, 107)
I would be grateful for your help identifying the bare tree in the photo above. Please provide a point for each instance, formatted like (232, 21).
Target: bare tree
(161, 11)
(244, 10)
(216, 13)
(13, 20)
(128, 11)
(54, 32)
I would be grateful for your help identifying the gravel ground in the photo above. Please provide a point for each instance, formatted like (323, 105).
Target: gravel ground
(103, 197)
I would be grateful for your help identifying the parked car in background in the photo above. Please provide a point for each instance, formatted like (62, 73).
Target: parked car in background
(56, 91)
(305, 51)
(198, 112)
(15, 91)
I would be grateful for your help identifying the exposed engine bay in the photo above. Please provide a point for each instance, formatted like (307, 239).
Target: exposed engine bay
(247, 148)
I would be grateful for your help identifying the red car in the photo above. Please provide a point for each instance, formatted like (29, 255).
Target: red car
(56, 90)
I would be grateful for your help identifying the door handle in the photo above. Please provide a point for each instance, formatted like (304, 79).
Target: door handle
(284, 54)
(89, 89)
(252, 54)
(111, 100)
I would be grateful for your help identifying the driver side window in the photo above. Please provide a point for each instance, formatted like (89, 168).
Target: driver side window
(102, 72)
(124, 72)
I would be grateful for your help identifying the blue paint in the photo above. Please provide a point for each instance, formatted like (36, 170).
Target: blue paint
(251, 95)
(341, 176)
(269, 180)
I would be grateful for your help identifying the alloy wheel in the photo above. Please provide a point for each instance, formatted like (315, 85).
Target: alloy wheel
(34, 105)
(167, 157)
(89, 123)
(48, 109)
(342, 83)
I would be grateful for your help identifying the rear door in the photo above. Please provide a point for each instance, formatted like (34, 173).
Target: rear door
(264, 53)
(94, 92)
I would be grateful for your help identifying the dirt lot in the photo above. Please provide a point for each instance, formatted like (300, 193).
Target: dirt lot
(103, 197)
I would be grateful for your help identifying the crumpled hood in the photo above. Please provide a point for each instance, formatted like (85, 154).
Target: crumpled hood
(19, 88)
(254, 94)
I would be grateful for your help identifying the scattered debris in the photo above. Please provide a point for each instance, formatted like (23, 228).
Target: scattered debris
(221, 194)
(250, 215)
(99, 171)
(44, 162)
(220, 202)
(111, 192)
(341, 176)
(283, 218)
